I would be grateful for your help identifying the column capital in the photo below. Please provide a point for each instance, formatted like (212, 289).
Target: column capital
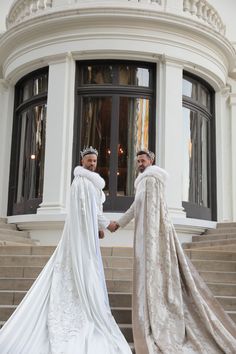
(232, 99)
(4, 85)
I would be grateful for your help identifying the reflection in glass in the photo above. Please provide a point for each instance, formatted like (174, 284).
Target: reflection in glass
(40, 84)
(31, 154)
(189, 89)
(133, 135)
(132, 75)
(26, 91)
(95, 131)
(97, 74)
(204, 97)
(189, 175)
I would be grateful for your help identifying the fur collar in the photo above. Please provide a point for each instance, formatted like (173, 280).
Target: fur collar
(154, 171)
(94, 177)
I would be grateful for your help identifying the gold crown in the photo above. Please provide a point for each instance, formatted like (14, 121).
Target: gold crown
(88, 150)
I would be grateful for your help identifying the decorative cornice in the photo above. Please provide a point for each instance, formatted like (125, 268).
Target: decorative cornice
(232, 99)
(197, 10)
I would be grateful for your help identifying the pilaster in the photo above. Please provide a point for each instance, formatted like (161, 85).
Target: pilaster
(232, 103)
(6, 119)
(59, 136)
(172, 131)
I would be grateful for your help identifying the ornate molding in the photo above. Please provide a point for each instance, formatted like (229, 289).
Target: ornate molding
(202, 10)
(198, 10)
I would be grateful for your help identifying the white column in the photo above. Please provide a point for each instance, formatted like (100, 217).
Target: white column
(6, 119)
(232, 103)
(223, 156)
(172, 131)
(59, 136)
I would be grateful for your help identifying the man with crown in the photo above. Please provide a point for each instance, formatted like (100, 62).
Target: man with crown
(66, 311)
(173, 310)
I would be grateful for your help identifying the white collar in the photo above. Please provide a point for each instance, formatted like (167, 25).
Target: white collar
(154, 171)
(94, 177)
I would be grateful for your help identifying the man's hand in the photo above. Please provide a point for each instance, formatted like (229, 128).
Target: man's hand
(113, 226)
(101, 234)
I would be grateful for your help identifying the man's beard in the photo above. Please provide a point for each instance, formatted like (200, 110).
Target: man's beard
(90, 168)
(141, 169)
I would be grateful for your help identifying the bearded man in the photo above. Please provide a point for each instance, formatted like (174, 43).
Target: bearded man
(173, 310)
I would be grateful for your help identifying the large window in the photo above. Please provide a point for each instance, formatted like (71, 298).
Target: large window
(115, 113)
(28, 144)
(198, 175)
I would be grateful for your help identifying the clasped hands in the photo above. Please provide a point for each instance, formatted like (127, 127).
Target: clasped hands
(113, 226)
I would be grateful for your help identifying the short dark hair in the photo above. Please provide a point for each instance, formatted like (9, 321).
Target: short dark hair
(146, 152)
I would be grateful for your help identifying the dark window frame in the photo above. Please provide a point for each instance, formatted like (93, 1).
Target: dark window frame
(194, 210)
(27, 206)
(113, 202)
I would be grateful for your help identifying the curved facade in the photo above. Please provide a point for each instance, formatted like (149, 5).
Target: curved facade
(119, 75)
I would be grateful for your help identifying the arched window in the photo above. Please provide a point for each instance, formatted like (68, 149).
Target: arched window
(28, 144)
(199, 173)
(115, 103)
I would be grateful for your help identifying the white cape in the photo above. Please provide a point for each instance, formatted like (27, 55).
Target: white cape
(66, 311)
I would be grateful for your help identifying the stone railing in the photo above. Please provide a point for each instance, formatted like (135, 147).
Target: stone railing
(24, 9)
(201, 10)
(204, 11)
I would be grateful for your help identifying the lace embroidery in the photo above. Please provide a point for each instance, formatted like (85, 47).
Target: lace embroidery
(66, 316)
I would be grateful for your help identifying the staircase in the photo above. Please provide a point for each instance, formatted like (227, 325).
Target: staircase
(20, 265)
(9, 235)
(214, 256)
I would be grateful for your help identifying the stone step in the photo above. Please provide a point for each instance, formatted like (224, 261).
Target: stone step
(19, 272)
(127, 331)
(3, 220)
(11, 297)
(218, 277)
(226, 224)
(117, 262)
(23, 260)
(118, 274)
(48, 250)
(210, 254)
(119, 286)
(228, 302)
(213, 237)
(22, 250)
(214, 265)
(203, 244)
(14, 233)
(120, 299)
(4, 226)
(222, 289)
(122, 314)
(9, 240)
(16, 283)
(218, 231)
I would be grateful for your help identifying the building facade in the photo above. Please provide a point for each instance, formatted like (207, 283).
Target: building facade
(118, 75)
